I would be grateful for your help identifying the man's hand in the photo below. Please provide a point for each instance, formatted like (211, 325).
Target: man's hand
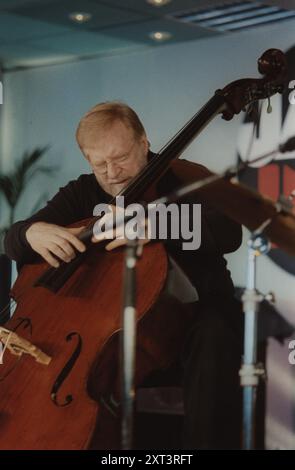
(52, 241)
(117, 242)
(119, 235)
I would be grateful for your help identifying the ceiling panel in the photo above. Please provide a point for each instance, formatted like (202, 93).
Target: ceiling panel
(29, 28)
(84, 43)
(8, 4)
(140, 32)
(175, 5)
(15, 28)
(123, 37)
(58, 13)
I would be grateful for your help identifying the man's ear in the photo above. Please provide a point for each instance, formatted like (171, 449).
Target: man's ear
(146, 143)
(85, 154)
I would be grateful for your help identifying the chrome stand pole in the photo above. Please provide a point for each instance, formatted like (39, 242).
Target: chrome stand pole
(128, 343)
(250, 371)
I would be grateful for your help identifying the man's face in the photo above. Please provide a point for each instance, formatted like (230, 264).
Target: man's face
(116, 156)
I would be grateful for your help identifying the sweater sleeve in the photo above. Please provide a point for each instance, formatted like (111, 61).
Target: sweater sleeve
(65, 208)
(226, 233)
(220, 234)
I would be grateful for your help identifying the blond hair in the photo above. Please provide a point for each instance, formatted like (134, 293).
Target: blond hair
(103, 115)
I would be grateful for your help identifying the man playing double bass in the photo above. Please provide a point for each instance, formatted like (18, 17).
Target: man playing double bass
(113, 140)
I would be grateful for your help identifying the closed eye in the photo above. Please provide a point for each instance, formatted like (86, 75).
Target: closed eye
(122, 159)
(102, 168)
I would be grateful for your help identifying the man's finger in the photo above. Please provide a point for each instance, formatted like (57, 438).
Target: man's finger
(107, 235)
(68, 235)
(49, 258)
(64, 245)
(115, 244)
(119, 242)
(61, 253)
(76, 230)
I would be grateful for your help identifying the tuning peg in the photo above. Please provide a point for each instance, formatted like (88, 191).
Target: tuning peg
(250, 109)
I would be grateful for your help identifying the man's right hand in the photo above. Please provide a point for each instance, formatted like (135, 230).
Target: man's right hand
(52, 241)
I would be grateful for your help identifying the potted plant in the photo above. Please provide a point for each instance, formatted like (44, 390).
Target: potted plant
(12, 187)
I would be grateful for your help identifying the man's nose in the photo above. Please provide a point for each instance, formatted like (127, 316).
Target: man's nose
(113, 170)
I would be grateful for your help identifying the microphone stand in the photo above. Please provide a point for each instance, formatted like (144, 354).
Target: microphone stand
(128, 342)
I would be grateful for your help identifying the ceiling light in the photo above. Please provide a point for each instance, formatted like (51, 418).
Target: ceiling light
(158, 3)
(160, 36)
(80, 17)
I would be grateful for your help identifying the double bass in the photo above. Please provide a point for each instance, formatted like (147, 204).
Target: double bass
(59, 381)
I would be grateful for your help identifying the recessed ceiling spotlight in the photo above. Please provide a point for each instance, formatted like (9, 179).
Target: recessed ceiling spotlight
(80, 16)
(160, 36)
(158, 3)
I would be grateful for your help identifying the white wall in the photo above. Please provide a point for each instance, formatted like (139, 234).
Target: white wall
(166, 85)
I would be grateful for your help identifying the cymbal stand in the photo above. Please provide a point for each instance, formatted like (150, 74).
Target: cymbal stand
(250, 371)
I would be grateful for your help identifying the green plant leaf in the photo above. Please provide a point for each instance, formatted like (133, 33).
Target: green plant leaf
(29, 160)
(47, 170)
(13, 184)
(7, 188)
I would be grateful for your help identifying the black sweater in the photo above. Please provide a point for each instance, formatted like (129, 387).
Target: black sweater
(206, 266)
